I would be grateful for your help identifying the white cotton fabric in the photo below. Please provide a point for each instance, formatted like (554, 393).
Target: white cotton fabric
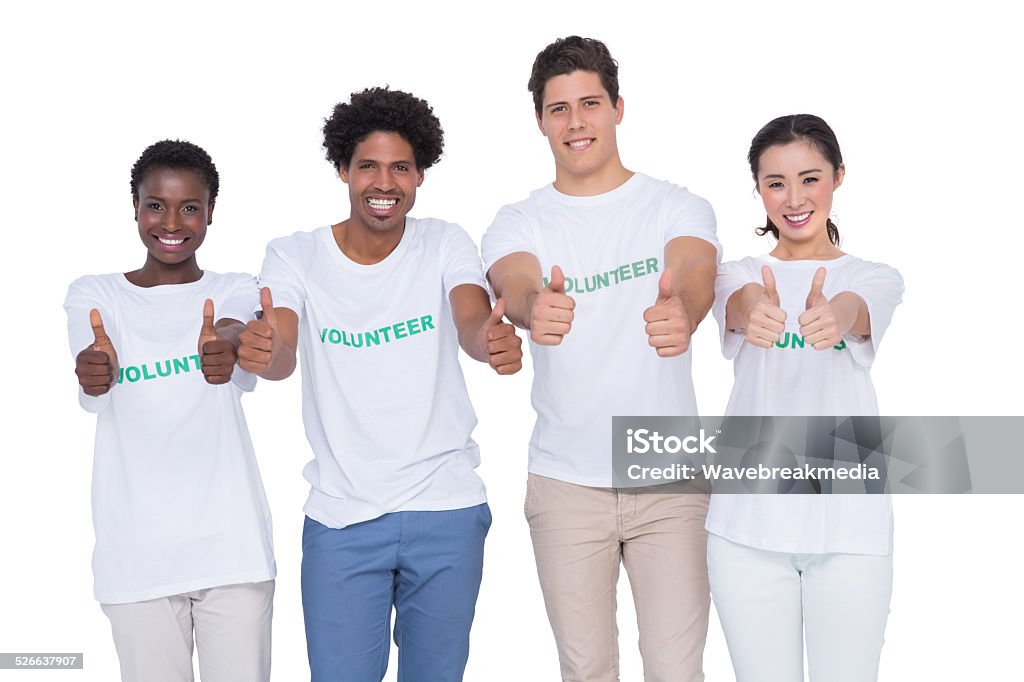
(804, 381)
(768, 602)
(390, 421)
(177, 500)
(611, 248)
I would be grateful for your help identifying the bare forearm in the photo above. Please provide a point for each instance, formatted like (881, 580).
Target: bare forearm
(281, 367)
(517, 279)
(519, 292)
(482, 333)
(471, 308)
(229, 329)
(737, 309)
(694, 264)
(851, 314)
(472, 338)
(696, 287)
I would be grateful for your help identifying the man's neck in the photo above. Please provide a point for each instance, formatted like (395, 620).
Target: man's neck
(593, 183)
(363, 245)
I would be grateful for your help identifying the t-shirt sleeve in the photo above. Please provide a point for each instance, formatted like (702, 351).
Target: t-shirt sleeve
(689, 215)
(882, 288)
(731, 277)
(281, 275)
(83, 296)
(461, 260)
(511, 232)
(241, 298)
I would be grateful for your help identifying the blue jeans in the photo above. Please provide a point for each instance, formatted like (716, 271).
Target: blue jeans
(427, 564)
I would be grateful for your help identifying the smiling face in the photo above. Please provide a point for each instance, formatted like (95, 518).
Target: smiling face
(796, 183)
(382, 179)
(172, 210)
(579, 118)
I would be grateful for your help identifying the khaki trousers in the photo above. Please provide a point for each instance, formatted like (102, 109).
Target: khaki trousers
(580, 536)
(232, 632)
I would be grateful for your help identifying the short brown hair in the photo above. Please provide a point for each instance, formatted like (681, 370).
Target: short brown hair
(570, 54)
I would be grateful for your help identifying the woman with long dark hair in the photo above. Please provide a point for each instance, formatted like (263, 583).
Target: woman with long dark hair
(802, 325)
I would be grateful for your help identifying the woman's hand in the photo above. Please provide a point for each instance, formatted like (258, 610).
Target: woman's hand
(765, 319)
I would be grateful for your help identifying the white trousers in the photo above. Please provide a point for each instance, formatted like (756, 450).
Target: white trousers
(769, 602)
(232, 632)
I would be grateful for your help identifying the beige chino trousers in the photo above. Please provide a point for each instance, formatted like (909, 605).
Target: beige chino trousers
(580, 537)
(154, 639)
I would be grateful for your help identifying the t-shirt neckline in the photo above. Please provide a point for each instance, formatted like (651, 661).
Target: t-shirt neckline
(610, 196)
(805, 261)
(346, 262)
(161, 289)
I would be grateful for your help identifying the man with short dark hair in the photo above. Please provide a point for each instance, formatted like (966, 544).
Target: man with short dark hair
(379, 304)
(632, 262)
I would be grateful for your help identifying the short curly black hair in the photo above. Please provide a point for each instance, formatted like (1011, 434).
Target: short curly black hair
(179, 155)
(382, 109)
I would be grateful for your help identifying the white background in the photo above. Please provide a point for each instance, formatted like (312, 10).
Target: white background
(923, 99)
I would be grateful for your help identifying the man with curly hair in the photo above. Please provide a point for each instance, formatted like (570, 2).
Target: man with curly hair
(378, 305)
(632, 263)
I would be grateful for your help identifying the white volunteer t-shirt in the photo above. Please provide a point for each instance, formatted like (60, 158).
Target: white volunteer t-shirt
(795, 379)
(384, 401)
(611, 248)
(178, 504)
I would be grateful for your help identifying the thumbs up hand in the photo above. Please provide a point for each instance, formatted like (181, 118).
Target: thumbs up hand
(819, 324)
(261, 339)
(766, 320)
(770, 290)
(96, 366)
(552, 312)
(216, 355)
(668, 327)
(504, 347)
(815, 297)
